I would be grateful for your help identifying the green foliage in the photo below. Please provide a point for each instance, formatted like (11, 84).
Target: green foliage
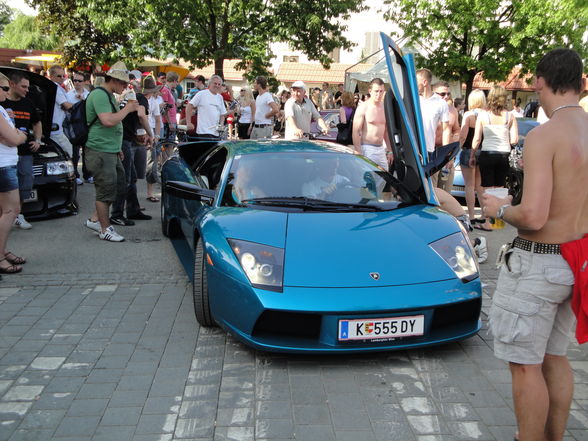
(464, 37)
(199, 31)
(24, 32)
(5, 15)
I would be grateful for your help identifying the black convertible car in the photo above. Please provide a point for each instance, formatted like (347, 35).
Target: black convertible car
(54, 189)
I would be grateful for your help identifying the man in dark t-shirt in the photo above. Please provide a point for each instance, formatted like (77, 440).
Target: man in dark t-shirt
(27, 119)
(134, 158)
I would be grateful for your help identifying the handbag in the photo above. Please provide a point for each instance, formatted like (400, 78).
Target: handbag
(345, 131)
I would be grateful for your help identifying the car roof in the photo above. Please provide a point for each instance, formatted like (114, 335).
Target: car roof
(280, 145)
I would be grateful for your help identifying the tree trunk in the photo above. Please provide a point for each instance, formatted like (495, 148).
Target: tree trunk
(469, 82)
(218, 67)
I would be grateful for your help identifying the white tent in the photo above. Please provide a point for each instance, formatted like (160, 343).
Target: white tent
(362, 79)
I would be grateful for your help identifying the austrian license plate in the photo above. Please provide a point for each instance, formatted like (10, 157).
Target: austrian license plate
(31, 197)
(381, 328)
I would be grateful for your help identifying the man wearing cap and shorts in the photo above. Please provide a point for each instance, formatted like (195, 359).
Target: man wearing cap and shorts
(531, 316)
(103, 148)
(299, 112)
(369, 126)
(265, 109)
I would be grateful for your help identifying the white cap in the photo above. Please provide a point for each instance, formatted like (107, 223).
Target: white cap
(137, 74)
(299, 84)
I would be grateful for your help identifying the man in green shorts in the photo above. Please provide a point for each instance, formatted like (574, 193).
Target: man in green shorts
(103, 154)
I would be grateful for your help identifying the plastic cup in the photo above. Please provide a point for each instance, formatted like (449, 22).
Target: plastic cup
(131, 96)
(499, 192)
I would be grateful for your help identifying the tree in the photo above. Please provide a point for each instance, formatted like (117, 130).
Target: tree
(24, 32)
(5, 15)
(464, 37)
(204, 31)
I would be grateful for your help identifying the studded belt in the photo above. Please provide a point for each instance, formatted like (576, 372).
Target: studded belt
(536, 247)
(261, 125)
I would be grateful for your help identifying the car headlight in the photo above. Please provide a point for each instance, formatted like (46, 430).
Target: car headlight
(59, 168)
(456, 251)
(263, 265)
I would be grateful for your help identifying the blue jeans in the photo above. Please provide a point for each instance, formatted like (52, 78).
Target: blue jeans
(8, 179)
(24, 169)
(130, 195)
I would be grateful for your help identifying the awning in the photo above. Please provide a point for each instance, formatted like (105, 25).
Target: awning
(43, 60)
(164, 66)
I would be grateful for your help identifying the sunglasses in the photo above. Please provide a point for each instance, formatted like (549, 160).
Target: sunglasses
(443, 93)
(5, 88)
(78, 81)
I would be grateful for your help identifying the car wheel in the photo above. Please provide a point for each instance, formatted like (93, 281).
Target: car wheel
(200, 288)
(514, 182)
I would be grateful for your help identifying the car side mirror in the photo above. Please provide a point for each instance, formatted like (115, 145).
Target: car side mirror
(444, 154)
(184, 190)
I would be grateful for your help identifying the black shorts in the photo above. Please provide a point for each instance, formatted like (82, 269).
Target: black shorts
(494, 167)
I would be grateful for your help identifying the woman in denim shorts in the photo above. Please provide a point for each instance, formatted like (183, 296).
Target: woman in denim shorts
(10, 137)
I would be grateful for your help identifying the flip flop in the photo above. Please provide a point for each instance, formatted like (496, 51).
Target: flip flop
(481, 227)
(14, 259)
(153, 199)
(12, 269)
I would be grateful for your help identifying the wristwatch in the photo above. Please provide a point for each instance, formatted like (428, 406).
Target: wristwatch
(500, 212)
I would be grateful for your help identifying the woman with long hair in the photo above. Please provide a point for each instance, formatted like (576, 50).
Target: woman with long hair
(499, 130)
(246, 110)
(471, 175)
(10, 137)
(345, 111)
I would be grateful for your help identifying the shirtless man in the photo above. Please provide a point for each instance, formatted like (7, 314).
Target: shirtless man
(535, 279)
(441, 88)
(369, 126)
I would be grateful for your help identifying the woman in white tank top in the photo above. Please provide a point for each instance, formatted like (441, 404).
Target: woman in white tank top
(499, 130)
(246, 110)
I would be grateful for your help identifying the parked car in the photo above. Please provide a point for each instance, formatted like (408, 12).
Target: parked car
(331, 118)
(515, 177)
(306, 246)
(54, 188)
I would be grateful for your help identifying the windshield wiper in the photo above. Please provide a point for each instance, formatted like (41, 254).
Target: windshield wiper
(310, 203)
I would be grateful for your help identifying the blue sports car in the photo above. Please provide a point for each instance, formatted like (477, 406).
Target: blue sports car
(305, 246)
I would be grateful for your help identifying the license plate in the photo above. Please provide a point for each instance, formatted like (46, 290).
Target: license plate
(381, 328)
(32, 197)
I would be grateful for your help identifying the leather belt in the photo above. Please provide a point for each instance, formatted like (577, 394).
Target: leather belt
(261, 125)
(536, 247)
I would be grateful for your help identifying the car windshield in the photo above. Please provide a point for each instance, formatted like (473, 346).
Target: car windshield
(311, 181)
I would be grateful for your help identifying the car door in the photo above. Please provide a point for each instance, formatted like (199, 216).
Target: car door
(208, 174)
(404, 122)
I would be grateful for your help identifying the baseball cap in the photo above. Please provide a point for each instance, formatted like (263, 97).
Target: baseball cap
(299, 84)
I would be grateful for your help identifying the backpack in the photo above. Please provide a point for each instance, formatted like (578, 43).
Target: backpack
(75, 125)
(345, 131)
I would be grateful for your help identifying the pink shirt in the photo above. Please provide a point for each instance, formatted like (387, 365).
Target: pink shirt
(168, 98)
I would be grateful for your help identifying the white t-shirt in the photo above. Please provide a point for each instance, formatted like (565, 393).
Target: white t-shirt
(73, 98)
(262, 108)
(8, 155)
(434, 110)
(210, 108)
(58, 112)
(154, 110)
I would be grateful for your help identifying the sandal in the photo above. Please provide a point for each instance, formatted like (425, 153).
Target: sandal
(14, 259)
(12, 269)
(481, 227)
(152, 199)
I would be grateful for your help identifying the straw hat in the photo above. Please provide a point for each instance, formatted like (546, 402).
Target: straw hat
(119, 71)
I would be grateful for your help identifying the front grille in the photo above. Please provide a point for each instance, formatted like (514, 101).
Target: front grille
(455, 314)
(458, 187)
(38, 170)
(291, 324)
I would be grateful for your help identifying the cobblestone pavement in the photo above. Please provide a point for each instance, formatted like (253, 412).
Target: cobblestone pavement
(101, 343)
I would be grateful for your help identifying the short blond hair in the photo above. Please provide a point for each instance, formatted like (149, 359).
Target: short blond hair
(53, 69)
(172, 76)
(476, 100)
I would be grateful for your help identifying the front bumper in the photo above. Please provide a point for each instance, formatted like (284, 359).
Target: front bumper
(56, 196)
(306, 319)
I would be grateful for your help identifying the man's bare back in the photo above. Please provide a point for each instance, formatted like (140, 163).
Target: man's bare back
(558, 149)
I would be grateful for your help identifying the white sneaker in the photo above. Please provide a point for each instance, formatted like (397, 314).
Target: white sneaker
(481, 249)
(79, 181)
(110, 235)
(21, 223)
(94, 226)
(90, 180)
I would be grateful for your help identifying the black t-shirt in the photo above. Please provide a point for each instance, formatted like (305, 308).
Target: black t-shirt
(25, 116)
(131, 122)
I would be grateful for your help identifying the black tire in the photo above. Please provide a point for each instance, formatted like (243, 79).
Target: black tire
(200, 288)
(514, 183)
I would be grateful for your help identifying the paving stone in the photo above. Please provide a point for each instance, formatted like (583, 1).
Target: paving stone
(10, 410)
(234, 434)
(87, 407)
(355, 435)
(121, 416)
(32, 435)
(273, 409)
(54, 401)
(43, 419)
(162, 405)
(102, 390)
(125, 398)
(110, 433)
(156, 424)
(77, 426)
(312, 414)
(23, 393)
(273, 429)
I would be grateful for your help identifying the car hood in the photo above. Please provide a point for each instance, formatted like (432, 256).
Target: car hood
(342, 249)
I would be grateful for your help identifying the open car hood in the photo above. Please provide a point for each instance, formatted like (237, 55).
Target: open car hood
(405, 127)
(42, 94)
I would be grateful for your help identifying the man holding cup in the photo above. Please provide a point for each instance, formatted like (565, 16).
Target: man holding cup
(531, 315)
